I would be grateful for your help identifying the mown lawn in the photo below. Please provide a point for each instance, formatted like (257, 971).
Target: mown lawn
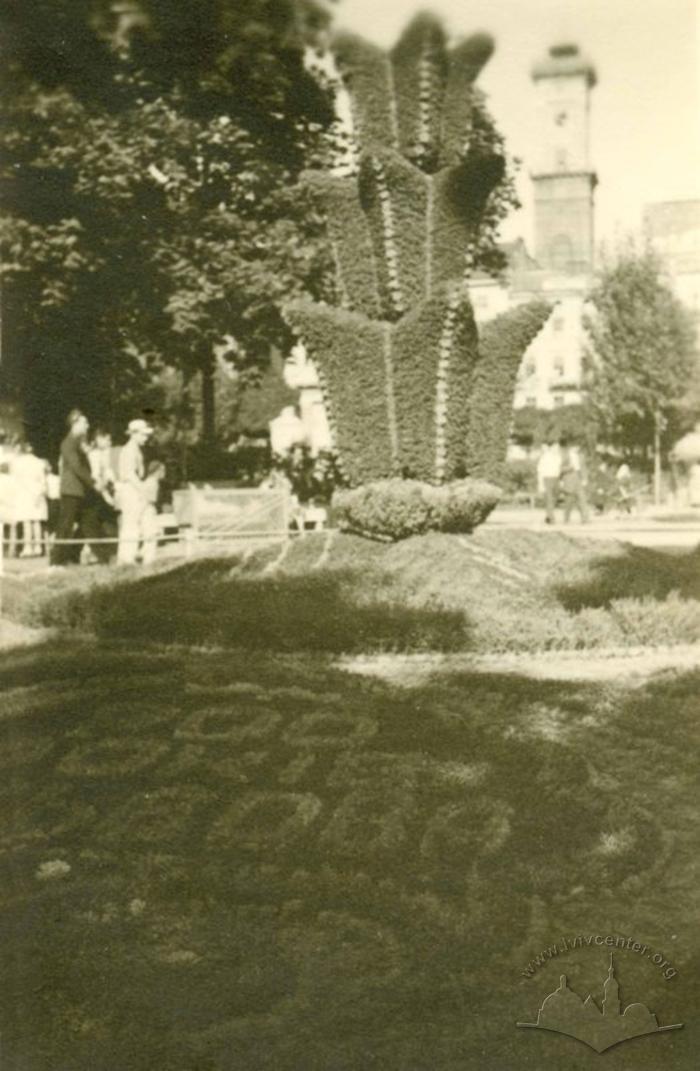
(331, 593)
(237, 860)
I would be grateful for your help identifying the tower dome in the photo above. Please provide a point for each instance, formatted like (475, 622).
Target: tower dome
(565, 60)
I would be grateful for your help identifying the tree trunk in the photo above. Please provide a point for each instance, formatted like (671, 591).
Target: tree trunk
(209, 400)
(657, 458)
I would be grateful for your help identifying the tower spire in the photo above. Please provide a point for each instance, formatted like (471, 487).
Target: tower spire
(562, 175)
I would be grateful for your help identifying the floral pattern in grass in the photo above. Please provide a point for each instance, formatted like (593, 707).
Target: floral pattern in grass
(265, 863)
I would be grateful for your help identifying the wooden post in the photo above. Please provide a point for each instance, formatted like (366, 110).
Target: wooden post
(209, 400)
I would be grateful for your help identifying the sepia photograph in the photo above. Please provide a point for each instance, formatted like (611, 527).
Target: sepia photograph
(350, 535)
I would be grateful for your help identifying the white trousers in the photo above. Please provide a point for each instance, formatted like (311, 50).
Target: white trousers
(133, 506)
(149, 533)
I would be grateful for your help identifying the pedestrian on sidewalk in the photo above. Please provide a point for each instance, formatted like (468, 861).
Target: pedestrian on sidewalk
(603, 488)
(573, 483)
(548, 474)
(623, 479)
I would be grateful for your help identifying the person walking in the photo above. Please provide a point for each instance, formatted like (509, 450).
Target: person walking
(76, 487)
(603, 490)
(573, 484)
(548, 474)
(131, 493)
(623, 480)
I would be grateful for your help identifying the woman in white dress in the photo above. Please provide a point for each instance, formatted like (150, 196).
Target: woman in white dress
(29, 474)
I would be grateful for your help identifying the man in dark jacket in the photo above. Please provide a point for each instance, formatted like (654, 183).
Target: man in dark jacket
(77, 491)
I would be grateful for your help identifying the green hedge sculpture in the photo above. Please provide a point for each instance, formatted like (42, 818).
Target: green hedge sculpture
(410, 387)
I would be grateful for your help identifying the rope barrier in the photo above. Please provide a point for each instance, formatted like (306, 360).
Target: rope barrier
(189, 538)
(212, 537)
(52, 542)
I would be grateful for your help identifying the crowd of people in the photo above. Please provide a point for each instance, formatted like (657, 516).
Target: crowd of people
(102, 497)
(563, 479)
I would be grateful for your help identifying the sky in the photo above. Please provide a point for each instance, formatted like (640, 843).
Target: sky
(645, 110)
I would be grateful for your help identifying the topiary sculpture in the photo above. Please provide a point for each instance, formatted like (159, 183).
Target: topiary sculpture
(410, 387)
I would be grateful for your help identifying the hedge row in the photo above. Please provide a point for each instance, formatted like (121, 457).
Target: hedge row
(423, 397)
(409, 389)
(419, 227)
(459, 196)
(369, 77)
(502, 345)
(348, 350)
(348, 230)
(464, 64)
(464, 361)
(388, 213)
(420, 98)
(405, 397)
(417, 355)
(420, 64)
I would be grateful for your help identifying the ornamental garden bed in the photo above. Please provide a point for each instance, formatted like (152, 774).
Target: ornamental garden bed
(236, 859)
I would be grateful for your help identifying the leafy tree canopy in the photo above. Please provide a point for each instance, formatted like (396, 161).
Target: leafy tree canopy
(533, 426)
(641, 354)
(152, 152)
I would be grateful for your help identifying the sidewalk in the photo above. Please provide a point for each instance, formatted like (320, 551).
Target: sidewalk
(662, 529)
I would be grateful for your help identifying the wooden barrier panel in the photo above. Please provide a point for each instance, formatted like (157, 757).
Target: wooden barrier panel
(213, 512)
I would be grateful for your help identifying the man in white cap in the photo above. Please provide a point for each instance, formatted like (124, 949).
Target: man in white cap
(131, 493)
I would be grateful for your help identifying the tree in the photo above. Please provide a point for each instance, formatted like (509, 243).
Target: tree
(150, 190)
(641, 354)
(532, 426)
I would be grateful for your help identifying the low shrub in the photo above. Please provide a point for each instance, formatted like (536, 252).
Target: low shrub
(649, 621)
(460, 506)
(396, 509)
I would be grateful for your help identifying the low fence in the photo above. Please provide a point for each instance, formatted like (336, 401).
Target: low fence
(202, 519)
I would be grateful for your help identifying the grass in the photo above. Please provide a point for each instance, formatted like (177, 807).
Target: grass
(215, 861)
(221, 852)
(493, 591)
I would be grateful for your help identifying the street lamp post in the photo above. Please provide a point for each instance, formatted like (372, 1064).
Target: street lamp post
(660, 423)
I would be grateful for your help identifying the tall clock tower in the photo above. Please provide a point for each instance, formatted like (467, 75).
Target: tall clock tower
(562, 176)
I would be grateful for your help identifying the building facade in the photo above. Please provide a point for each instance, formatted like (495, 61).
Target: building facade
(673, 230)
